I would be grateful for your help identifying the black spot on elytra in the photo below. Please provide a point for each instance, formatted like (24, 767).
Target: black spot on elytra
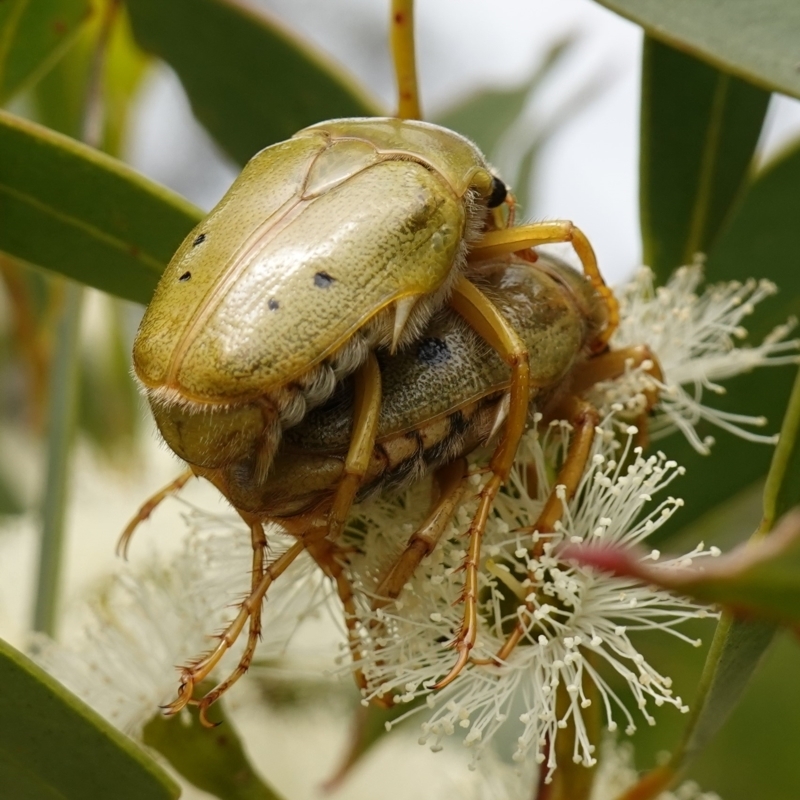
(433, 351)
(185, 276)
(273, 304)
(322, 280)
(199, 239)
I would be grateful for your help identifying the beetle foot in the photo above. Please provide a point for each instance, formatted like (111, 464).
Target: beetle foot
(185, 692)
(464, 646)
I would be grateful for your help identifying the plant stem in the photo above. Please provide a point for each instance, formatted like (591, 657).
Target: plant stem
(404, 56)
(62, 409)
(64, 375)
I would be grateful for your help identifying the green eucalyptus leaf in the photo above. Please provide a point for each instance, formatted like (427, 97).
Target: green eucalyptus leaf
(83, 214)
(752, 756)
(109, 409)
(756, 41)
(214, 760)
(489, 117)
(738, 648)
(250, 82)
(33, 35)
(757, 241)
(54, 746)
(60, 97)
(782, 491)
(485, 116)
(699, 129)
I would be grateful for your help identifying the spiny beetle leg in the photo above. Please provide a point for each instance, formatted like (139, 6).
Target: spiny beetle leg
(482, 315)
(365, 427)
(584, 418)
(452, 483)
(514, 239)
(147, 509)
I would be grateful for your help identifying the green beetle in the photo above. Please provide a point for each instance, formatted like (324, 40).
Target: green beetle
(343, 238)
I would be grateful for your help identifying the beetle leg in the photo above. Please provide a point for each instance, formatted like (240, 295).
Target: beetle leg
(452, 485)
(365, 426)
(250, 608)
(584, 418)
(326, 553)
(404, 57)
(451, 480)
(147, 509)
(522, 237)
(613, 364)
(487, 321)
(259, 545)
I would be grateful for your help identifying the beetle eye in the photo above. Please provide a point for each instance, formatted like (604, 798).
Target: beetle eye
(499, 193)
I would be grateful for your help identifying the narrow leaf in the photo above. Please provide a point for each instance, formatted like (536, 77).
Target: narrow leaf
(739, 645)
(33, 35)
(486, 116)
(213, 760)
(61, 417)
(758, 241)
(73, 210)
(250, 82)
(60, 97)
(782, 491)
(755, 41)
(756, 579)
(10, 501)
(54, 746)
(699, 129)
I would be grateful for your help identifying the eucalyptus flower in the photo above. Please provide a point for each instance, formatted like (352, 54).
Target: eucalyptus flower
(151, 617)
(694, 338)
(615, 774)
(576, 623)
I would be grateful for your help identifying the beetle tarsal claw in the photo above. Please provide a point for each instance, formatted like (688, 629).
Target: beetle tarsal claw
(402, 311)
(183, 699)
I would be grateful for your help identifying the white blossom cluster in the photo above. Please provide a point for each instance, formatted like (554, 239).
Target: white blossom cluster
(694, 338)
(577, 622)
(152, 617)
